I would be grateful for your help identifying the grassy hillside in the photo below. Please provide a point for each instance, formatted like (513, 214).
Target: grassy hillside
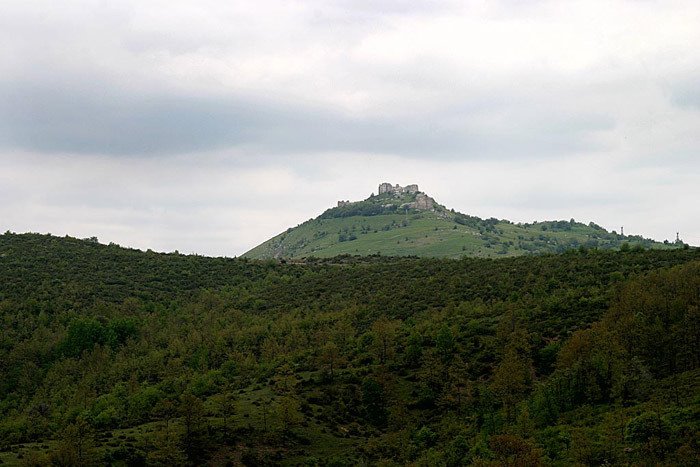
(121, 357)
(379, 225)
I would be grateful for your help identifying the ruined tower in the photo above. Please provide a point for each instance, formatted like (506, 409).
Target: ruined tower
(397, 189)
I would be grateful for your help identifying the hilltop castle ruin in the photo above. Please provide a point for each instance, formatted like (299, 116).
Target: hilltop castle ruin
(398, 189)
(422, 201)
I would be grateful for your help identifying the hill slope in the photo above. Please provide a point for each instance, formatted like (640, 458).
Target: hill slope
(406, 224)
(113, 356)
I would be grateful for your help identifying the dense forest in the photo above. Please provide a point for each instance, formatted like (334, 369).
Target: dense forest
(115, 356)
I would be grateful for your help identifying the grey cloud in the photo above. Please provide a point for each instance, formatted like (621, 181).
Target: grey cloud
(368, 9)
(183, 127)
(570, 200)
(687, 94)
(103, 119)
(92, 120)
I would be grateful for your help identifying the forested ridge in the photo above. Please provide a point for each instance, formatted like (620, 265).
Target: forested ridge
(116, 356)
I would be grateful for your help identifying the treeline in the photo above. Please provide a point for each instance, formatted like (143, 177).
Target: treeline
(110, 355)
(360, 208)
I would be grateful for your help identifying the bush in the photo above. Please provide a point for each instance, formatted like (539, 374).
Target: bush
(425, 437)
(645, 427)
(555, 441)
(514, 450)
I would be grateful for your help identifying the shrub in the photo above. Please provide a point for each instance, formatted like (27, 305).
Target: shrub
(645, 427)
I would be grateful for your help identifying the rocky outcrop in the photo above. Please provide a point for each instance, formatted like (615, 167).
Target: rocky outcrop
(423, 202)
(416, 198)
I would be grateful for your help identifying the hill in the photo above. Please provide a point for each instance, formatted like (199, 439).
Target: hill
(114, 356)
(402, 221)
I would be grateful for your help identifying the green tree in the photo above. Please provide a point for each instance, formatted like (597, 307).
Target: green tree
(76, 446)
(374, 402)
(514, 451)
(414, 350)
(445, 344)
(227, 409)
(511, 381)
(288, 412)
(330, 357)
(265, 404)
(165, 449)
(646, 427)
(165, 410)
(384, 331)
(193, 422)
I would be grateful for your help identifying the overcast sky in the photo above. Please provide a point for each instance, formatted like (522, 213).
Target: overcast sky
(209, 126)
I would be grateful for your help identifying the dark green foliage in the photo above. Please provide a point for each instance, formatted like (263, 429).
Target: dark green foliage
(646, 427)
(119, 356)
(361, 208)
(374, 402)
(425, 437)
(555, 442)
(372, 206)
(445, 344)
(84, 333)
(488, 225)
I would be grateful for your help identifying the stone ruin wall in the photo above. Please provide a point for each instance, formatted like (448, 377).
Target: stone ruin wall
(398, 189)
(422, 202)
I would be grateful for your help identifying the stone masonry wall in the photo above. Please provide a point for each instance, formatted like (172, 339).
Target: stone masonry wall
(389, 188)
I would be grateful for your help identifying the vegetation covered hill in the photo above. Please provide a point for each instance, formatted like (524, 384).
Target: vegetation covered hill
(388, 224)
(117, 356)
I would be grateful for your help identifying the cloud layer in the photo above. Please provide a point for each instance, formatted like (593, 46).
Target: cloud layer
(213, 125)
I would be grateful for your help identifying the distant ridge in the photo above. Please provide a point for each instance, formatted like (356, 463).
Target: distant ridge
(404, 221)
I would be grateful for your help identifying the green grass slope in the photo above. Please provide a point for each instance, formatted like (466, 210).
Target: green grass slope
(380, 225)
